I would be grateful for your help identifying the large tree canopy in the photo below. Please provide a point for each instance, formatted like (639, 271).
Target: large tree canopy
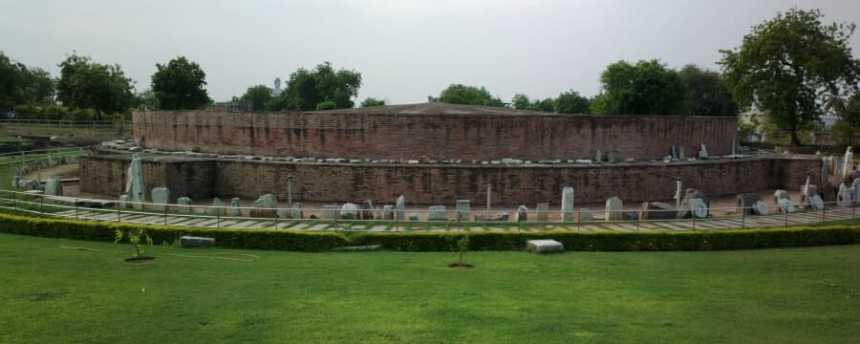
(85, 84)
(789, 67)
(20, 84)
(180, 85)
(571, 102)
(309, 90)
(645, 88)
(705, 93)
(469, 95)
(257, 97)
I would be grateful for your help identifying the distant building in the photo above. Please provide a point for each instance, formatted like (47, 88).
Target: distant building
(276, 91)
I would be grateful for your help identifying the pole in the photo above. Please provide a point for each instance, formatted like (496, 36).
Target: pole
(693, 216)
(290, 192)
(637, 223)
(823, 212)
(578, 220)
(743, 216)
(489, 194)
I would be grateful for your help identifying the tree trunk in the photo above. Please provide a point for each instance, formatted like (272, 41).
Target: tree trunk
(795, 140)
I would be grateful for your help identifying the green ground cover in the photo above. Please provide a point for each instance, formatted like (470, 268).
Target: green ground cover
(54, 290)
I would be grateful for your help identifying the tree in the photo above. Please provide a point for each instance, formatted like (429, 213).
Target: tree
(20, 85)
(599, 104)
(180, 85)
(850, 111)
(790, 66)
(85, 84)
(371, 102)
(571, 102)
(521, 102)
(257, 97)
(306, 90)
(705, 93)
(326, 105)
(647, 88)
(38, 86)
(546, 105)
(146, 100)
(469, 95)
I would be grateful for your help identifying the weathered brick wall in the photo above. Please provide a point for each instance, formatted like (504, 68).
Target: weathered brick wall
(443, 184)
(105, 175)
(437, 137)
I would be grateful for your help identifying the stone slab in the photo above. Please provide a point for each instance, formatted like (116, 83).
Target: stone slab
(544, 246)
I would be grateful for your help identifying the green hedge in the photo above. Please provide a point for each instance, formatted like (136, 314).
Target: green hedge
(661, 241)
(230, 238)
(836, 234)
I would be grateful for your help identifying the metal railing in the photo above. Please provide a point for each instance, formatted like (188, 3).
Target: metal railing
(40, 153)
(66, 123)
(329, 218)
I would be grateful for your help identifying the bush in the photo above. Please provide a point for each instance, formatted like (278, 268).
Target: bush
(267, 239)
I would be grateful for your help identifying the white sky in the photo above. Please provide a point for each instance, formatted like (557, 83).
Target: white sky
(405, 50)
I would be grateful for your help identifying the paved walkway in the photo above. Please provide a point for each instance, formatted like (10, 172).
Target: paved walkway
(716, 223)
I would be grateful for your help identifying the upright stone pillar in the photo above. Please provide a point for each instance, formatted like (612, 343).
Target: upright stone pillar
(567, 204)
(134, 182)
(400, 209)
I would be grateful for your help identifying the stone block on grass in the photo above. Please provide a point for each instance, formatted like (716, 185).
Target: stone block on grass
(195, 241)
(544, 246)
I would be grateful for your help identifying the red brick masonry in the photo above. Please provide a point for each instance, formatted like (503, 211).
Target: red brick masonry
(443, 184)
(470, 133)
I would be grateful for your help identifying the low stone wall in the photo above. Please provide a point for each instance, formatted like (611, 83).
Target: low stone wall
(443, 184)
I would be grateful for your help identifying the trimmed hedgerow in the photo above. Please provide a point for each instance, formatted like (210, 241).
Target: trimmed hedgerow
(683, 241)
(269, 239)
(231, 238)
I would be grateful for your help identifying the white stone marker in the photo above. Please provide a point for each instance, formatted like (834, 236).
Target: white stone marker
(614, 209)
(567, 204)
(544, 246)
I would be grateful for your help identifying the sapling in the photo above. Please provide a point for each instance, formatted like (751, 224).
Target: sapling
(137, 238)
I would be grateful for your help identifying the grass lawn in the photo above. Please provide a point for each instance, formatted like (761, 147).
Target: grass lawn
(51, 292)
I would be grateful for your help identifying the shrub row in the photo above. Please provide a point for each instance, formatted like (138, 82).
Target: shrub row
(837, 234)
(229, 238)
(661, 241)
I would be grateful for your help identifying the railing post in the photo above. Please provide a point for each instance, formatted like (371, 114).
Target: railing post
(218, 217)
(637, 223)
(693, 216)
(743, 217)
(785, 215)
(824, 212)
(118, 214)
(165, 214)
(75, 200)
(578, 220)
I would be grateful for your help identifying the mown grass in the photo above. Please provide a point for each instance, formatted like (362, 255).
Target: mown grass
(65, 291)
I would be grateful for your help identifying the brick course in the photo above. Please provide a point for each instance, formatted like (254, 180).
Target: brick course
(443, 184)
(474, 136)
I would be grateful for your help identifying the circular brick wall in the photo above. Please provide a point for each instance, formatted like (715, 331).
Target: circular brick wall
(432, 132)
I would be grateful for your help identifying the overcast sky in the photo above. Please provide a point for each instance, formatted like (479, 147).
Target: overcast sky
(405, 50)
